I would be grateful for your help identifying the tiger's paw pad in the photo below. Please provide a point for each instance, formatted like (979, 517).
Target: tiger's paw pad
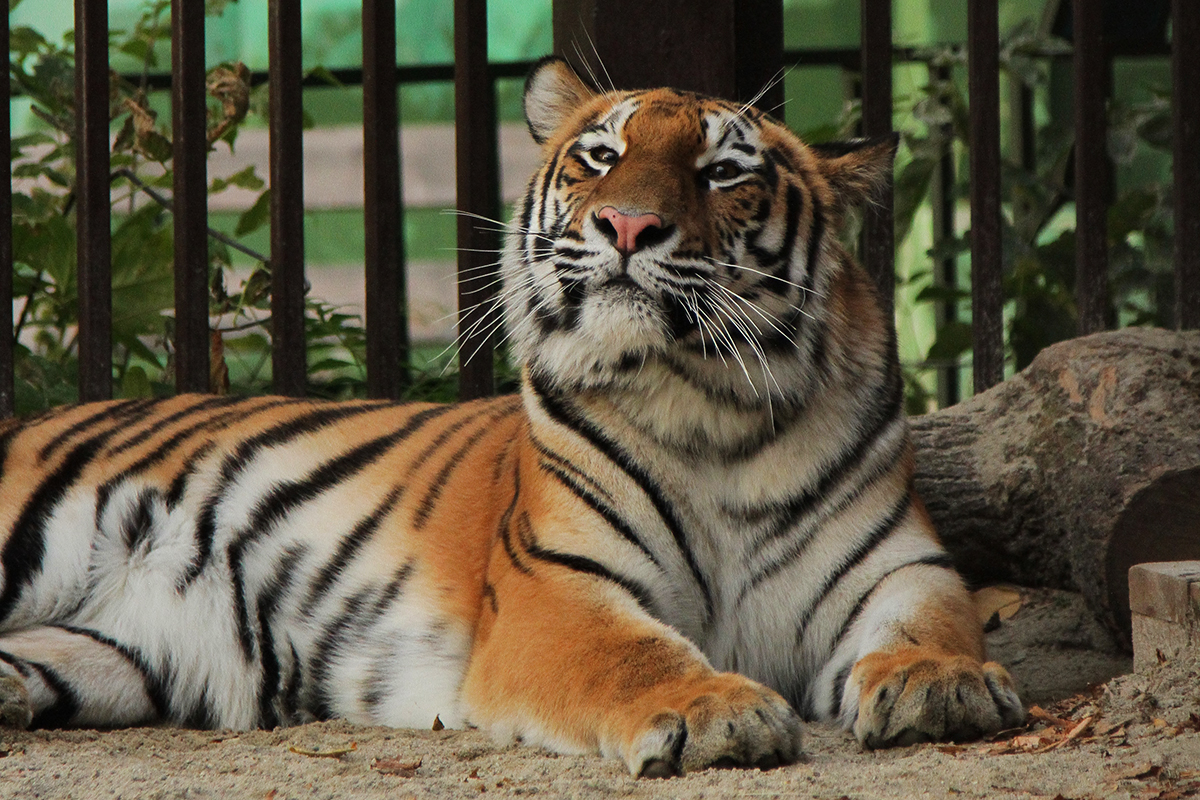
(15, 709)
(733, 722)
(911, 697)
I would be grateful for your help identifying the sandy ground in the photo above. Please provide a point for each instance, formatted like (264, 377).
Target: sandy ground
(1136, 737)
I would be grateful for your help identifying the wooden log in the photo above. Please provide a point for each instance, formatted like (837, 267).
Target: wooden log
(1082, 465)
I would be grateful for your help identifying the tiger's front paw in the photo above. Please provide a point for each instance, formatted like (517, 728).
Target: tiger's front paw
(725, 721)
(915, 695)
(16, 711)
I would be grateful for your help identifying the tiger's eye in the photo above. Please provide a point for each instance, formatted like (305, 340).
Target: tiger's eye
(723, 170)
(604, 154)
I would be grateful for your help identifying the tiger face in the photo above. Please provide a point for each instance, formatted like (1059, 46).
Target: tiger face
(670, 235)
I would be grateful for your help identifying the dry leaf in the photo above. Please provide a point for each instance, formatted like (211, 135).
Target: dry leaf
(1139, 772)
(337, 752)
(1038, 713)
(394, 766)
(1004, 601)
(437, 723)
(1072, 735)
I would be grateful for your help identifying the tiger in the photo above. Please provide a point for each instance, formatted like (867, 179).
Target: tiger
(692, 530)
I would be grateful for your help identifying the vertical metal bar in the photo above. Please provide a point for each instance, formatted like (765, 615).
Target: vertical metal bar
(387, 323)
(1091, 165)
(1185, 83)
(478, 195)
(983, 87)
(6, 258)
(190, 162)
(879, 253)
(758, 53)
(92, 209)
(634, 44)
(288, 355)
(945, 270)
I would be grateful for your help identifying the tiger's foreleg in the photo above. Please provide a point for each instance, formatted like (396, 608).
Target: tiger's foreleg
(571, 662)
(55, 676)
(922, 675)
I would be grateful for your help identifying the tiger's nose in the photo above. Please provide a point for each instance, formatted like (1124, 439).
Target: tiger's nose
(624, 231)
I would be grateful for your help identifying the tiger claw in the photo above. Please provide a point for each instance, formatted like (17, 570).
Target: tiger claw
(734, 724)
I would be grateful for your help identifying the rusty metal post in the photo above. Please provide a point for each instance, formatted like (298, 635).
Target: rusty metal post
(386, 319)
(288, 350)
(190, 163)
(879, 247)
(7, 401)
(1091, 165)
(945, 270)
(478, 187)
(983, 86)
(92, 208)
(724, 48)
(1185, 91)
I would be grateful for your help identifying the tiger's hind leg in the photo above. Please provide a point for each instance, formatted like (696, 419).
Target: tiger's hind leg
(55, 676)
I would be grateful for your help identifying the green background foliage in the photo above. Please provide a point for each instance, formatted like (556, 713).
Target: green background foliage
(930, 111)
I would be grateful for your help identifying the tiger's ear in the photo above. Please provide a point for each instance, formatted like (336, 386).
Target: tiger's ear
(552, 93)
(858, 170)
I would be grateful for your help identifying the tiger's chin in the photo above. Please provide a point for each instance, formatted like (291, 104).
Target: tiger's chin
(620, 329)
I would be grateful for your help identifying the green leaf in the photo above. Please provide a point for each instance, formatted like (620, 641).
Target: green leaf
(255, 216)
(953, 339)
(136, 383)
(245, 179)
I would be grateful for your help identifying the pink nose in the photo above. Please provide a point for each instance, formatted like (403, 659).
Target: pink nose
(628, 228)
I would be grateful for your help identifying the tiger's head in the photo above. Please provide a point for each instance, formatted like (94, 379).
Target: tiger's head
(672, 236)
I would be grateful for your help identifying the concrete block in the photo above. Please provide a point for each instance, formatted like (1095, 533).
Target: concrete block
(1164, 598)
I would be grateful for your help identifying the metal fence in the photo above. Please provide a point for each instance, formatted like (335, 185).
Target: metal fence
(640, 43)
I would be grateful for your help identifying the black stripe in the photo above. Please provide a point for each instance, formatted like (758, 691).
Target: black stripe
(159, 424)
(233, 465)
(25, 548)
(382, 667)
(137, 525)
(610, 514)
(941, 560)
(798, 547)
(201, 717)
(16, 663)
(506, 526)
(794, 204)
(105, 416)
(291, 689)
(816, 234)
(882, 530)
(267, 604)
(357, 615)
(434, 492)
(571, 418)
(179, 482)
(582, 564)
(839, 681)
(215, 422)
(884, 410)
(66, 703)
(156, 688)
(331, 640)
(347, 549)
(168, 445)
(288, 495)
